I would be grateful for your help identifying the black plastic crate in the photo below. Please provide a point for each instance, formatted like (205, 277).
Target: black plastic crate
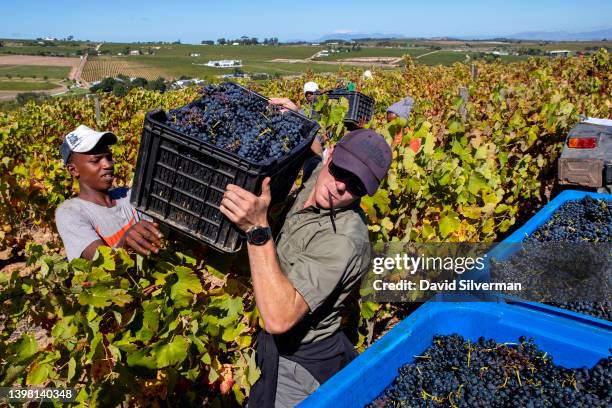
(180, 180)
(361, 107)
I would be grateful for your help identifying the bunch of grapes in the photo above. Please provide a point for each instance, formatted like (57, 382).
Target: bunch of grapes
(454, 372)
(240, 122)
(585, 220)
(568, 256)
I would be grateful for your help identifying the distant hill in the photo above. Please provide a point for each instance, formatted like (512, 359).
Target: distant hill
(596, 35)
(564, 35)
(353, 36)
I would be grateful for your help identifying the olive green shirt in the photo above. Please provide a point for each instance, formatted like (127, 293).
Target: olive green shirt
(323, 264)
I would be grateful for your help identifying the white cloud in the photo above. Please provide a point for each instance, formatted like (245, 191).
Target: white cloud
(343, 31)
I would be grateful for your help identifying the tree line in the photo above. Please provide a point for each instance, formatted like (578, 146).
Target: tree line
(121, 85)
(244, 40)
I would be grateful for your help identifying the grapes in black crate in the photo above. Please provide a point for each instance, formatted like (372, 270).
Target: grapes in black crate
(240, 122)
(188, 156)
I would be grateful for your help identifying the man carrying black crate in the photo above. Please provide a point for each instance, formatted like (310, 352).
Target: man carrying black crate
(99, 215)
(302, 278)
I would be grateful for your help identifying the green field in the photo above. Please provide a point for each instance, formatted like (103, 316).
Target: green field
(371, 52)
(216, 52)
(172, 61)
(544, 45)
(442, 58)
(513, 58)
(572, 46)
(179, 66)
(43, 50)
(450, 57)
(27, 86)
(34, 71)
(31, 47)
(74, 92)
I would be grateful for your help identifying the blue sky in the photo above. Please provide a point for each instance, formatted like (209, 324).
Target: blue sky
(193, 21)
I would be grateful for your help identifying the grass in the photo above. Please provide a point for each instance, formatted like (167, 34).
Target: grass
(450, 57)
(442, 58)
(172, 61)
(371, 52)
(217, 52)
(174, 65)
(68, 51)
(34, 71)
(572, 46)
(74, 92)
(27, 86)
(514, 58)
(285, 68)
(179, 66)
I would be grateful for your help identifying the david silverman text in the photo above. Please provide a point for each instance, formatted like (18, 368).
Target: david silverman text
(446, 285)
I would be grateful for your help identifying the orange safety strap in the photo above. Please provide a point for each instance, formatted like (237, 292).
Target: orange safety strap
(112, 240)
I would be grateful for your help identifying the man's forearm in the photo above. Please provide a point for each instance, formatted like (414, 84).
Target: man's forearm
(280, 305)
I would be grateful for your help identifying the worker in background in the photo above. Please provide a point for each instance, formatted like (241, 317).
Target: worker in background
(310, 90)
(400, 109)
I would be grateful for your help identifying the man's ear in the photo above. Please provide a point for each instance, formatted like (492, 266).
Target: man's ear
(73, 170)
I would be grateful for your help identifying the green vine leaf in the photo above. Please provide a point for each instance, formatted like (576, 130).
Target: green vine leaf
(187, 285)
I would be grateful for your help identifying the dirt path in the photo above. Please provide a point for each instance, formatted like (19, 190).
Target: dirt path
(428, 53)
(81, 67)
(79, 71)
(313, 56)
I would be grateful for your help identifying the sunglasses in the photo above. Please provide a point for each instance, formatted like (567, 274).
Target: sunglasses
(353, 183)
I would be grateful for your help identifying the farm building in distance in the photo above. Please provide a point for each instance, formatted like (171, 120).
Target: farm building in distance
(184, 83)
(560, 53)
(224, 63)
(194, 54)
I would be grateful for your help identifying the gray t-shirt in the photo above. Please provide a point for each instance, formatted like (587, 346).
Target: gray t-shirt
(82, 222)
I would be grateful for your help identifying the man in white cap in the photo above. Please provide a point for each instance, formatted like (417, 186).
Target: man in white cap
(99, 215)
(310, 90)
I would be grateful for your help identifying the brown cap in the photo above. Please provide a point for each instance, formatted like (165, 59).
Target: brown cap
(366, 154)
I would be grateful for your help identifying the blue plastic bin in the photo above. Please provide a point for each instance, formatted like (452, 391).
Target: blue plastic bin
(573, 339)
